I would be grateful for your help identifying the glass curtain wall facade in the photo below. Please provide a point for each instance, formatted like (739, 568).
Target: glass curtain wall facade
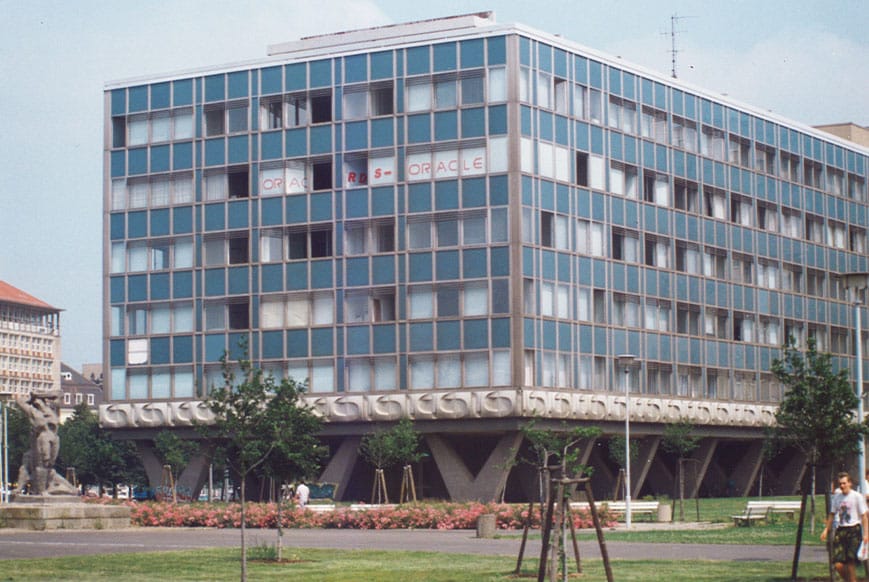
(498, 209)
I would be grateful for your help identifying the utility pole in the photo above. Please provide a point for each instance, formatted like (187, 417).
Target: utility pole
(673, 50)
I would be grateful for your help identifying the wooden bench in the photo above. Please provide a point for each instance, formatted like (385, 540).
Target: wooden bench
(320, 507)
(761, 510)
(649, 508)
(369, 506)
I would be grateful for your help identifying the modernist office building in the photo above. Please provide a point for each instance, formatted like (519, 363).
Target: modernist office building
(29, 343)
(466, 223)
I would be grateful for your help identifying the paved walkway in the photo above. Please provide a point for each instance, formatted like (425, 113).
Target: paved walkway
(56, 543)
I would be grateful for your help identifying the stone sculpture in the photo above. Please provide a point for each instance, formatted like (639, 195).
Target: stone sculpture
(37, 474)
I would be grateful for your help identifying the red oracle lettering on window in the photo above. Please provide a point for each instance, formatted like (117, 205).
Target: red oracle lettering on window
(354, 178)
(273, 184)
(416, 169)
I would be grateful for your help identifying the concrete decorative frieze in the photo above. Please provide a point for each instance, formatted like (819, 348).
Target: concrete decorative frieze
(467, 404)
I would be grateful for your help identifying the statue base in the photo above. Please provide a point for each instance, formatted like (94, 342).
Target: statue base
(41, 512)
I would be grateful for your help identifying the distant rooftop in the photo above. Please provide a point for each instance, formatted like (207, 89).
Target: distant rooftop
(11, 294)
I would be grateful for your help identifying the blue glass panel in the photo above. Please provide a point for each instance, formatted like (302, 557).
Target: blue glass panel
(215, 152)
(445, 125)
(215, 283)
(321, 206)
(356, 202)
(137, 224)
(321, 342)
(117, 289)
(356, 271)
(381, 65)
(238, 280)
(160, 96)
(119, 159)
(384, 339)
(447, 265)
(160, 350)
(215, 88)
(182, 219)
(271, 211)
(449, 337)
(420, 266)
(138, 98)
(118, 352)
(116, 228)
(238, 84)
(447, 195)
(137, 161)
(182, 284)
(272, 344)
(501, 333)
(472, 53)
(297, 343)
(160, 158)
(321, 274)
(497, 120)
(297, 142)
(296, 77)
(498, 190)
(182, 349)
(137, 288)
(270, 80)
(159, 286)
(476, 334)
(358, 341)
(119, 102)
(418, 60)
(356, 68)
(272, 278)
(215, 346)
(321, 73)
(419, 128)
(182, 156)
(321, 139)
(182, 92)
(473, 192)
(497, 50)
(419, 197)
(382, 133)
(549, 335)
(383, 201)
(297, 209)
(500, 261)
(473, 122)
(356, 135)
(238, 149)
(445, 56)
(421, 335)
(383, 270)
(214, 217)
(528, 325)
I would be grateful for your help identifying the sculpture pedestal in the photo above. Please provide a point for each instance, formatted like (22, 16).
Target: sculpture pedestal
(41, 512)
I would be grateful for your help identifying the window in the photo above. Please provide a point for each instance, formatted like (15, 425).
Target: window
(739, 151)
(215, 121)
(315, 242)
(770, 332)
(712, 143)
(232, 184)
(687, 196)
(625, 246)
(767, 274)
(590, 171)
(792, 278)
(656, 315)
(790, 167)
(300, 310)
(90, 399)
(554, 231)
(715, 322)
(78, 398)
(658, 379)
(744, 386)
(656, 188)
(835, 181)
(688, 319)
(623, 115)
(796, 332)
(238, 315)
(684, 134)
(589, 238)
(689, 381)
(791, 223)
(856, 187)
(764, 159)
(363, 101)
(742, 269)
(378, 305)
(836, 234)
(623, 180)
(767, 217)
(626, 310)
(653, 124)
(237, 118)
(814, 228)
(856, 239)
(740, 210)
(819, 335)
(657, 252)
(321, 107)
(66, 397)
(837, 288)
(271, 246)
(813, 174)
(687, 258)
(715, 263)
(743, 327)
(815, 283)
(715, 203)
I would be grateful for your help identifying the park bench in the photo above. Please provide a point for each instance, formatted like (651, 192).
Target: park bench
(649, 508)
(320, 507)
(368, 506)
(761, 510)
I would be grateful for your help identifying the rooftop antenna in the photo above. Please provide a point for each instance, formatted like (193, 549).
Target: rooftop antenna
(673, 50)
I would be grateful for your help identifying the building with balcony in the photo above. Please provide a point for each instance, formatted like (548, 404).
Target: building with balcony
(466, 223)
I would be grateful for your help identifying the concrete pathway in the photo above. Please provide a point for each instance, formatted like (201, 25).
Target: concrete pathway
(29, 544)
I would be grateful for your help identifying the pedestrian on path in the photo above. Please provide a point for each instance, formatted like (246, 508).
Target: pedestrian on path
(849, 509)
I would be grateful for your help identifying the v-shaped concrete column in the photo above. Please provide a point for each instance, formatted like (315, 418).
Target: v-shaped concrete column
(461, 484)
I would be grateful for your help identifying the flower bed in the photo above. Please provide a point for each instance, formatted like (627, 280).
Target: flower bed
(412, 515)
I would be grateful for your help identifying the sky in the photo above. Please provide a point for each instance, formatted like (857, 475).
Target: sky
(807, 60)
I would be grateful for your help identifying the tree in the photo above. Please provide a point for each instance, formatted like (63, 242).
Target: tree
(406, 441)
(816, 415)
(18, 432)
(679, 441)
(556, 446)
(253, 415)
(97, 458)
(175, 453)
(377, 449)
(383, 449)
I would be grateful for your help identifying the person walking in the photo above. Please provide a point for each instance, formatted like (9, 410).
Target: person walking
(849, 509)
(302, 494)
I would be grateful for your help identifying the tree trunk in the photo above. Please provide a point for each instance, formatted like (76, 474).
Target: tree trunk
(799, 542)
(681, 489)
(243, 546)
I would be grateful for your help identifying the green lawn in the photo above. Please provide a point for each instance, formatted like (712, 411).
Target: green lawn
(336, 565)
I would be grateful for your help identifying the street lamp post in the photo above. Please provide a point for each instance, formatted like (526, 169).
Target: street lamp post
(858, 282)
(4, 450)
(627, 360)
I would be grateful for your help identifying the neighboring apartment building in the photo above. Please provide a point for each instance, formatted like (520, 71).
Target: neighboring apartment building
(77, 389)
(466, 223)
(29, 342)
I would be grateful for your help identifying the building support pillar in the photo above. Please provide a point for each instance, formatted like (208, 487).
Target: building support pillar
(745, 473)
(703, 456)
(153, 466)
(661, 479)
(340, 466)
(460, 483)
(788, 482)
(194, 476)
(641, 465)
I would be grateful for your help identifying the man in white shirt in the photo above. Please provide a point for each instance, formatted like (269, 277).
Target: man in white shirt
(302, 494)
(849, 509)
